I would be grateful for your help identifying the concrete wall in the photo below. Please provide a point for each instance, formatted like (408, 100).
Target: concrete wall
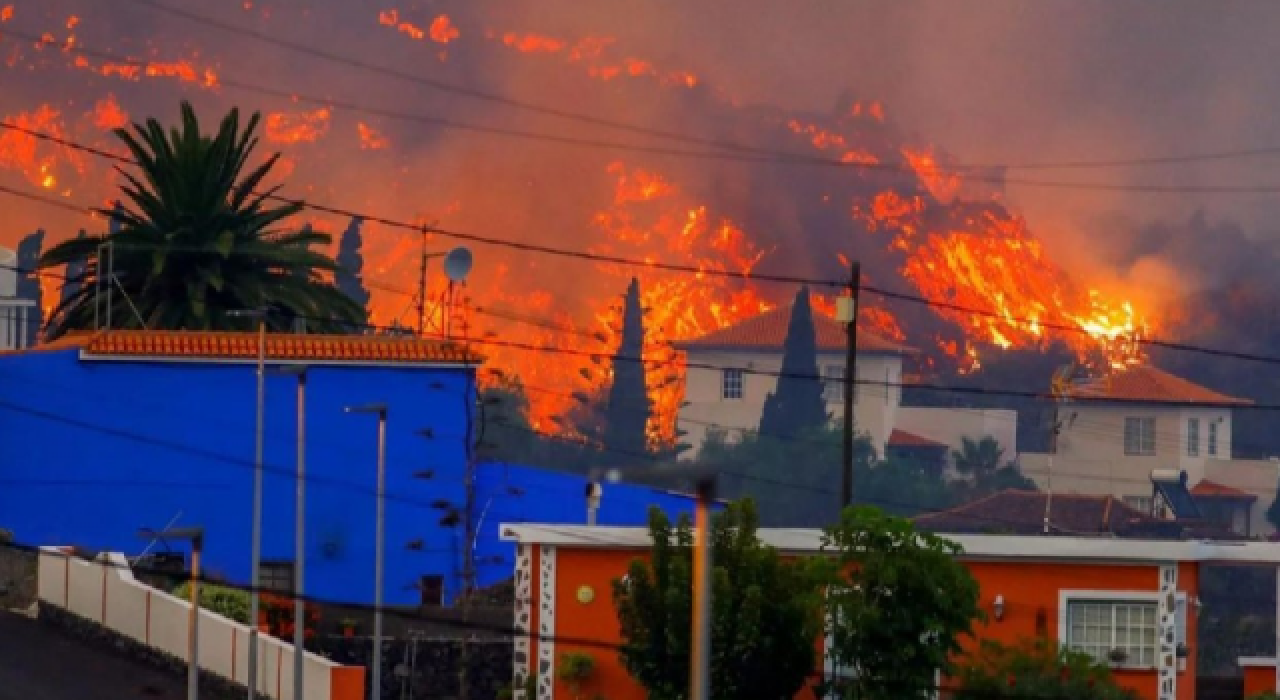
(875, 409)
(104, 591)
(950, 425)
(102, 449)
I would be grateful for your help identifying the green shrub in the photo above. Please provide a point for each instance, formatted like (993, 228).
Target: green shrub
(1036, 669)
(230, 603)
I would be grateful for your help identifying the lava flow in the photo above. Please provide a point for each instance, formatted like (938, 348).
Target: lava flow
(982, 279)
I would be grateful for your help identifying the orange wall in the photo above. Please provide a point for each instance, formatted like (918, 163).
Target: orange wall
(1028, 588)
(1259, 680)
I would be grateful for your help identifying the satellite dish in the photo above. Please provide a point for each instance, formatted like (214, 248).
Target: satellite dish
(457, 264)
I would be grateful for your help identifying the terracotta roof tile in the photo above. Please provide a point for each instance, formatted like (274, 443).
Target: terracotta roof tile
(1022, 512)
(228, 345)
(768, 331)
(1212, 489)
(1147, 383)
(901, 438)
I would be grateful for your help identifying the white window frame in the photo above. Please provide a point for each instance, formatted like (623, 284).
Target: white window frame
(732, 378)
(1066, 596)
(1213, 438)
(833, 384)
(1141, 504)
(1193, 437)
(1143, 445)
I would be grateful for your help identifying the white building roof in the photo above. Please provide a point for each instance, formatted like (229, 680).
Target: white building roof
(1021, 547)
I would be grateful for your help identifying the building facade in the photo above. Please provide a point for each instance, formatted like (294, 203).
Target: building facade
(1114, 433)
(731, 371)
(1095, 595)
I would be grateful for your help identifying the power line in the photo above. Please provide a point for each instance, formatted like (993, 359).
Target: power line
(772, 154)
(630, 262)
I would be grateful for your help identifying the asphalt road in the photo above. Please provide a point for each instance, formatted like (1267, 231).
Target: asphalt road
(38, 663)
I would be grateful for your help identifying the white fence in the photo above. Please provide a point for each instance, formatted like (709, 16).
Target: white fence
(105, 591)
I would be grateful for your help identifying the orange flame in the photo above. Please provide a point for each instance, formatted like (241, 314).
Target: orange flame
(108, 115)
(370, 139)
(299, 127)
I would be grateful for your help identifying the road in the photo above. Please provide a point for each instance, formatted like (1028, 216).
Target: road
(38, 663)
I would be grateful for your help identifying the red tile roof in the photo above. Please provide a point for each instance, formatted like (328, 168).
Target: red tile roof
(1212, 489)
(768, 331)
(228, 345)
(1022, 512)
(1147, 383)
(901, 438)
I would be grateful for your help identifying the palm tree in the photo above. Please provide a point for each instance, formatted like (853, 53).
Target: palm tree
(978, 458)
(198, 240)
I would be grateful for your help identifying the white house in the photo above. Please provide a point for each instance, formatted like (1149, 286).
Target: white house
(1114, 432)
(732, 370)
(15, 313)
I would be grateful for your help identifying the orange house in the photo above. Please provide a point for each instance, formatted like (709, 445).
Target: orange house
(1092, 594)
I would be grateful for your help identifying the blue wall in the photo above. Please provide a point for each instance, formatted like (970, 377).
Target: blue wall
(92, 451)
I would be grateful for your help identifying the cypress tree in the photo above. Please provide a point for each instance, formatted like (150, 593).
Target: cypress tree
(627, 410)
(349, 278)
(29, 249)
(75, 273)
(797, 404)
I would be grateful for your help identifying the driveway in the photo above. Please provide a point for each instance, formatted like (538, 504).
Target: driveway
(38, 663)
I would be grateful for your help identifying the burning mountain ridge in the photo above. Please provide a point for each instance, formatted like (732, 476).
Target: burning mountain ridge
(919, 226)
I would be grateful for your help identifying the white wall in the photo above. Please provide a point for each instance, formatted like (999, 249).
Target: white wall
(105, 591)
(875, 409)
(950, 425)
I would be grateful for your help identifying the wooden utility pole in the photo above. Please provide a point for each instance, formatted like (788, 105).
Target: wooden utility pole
(850, 316)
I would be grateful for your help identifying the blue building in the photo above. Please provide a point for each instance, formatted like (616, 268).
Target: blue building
(104, 434)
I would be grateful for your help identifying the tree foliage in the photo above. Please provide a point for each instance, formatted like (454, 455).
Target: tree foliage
(349, 276)
(77, 267)
(797, 405)
(978, 458)
(1035, 669)
(199, 238)
(899, 606)
(627, 410)
(766, 612)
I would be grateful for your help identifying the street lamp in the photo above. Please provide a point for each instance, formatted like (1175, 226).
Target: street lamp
(299, 537)
(380, 409)
(256, 545)
(196, 536)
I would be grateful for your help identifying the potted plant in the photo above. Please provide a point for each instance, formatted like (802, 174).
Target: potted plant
(576, 669)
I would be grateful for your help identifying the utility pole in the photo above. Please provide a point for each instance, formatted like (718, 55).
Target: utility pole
(700, 661)
(422, 286)
(848, 312)
(469, 541)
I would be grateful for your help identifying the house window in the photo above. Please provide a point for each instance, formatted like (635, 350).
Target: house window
(833, 384)
(1098, 628)
(432, 588)
(731, 384)
(1142, 504)
(276, 576)
(1213, 438)
(1140, 435)
(1193, 437)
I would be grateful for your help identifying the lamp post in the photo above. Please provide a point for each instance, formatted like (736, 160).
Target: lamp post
(256, 541)
(380, 409)
(196, 536)
(299, 537)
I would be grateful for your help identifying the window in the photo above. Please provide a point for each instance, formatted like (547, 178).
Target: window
(1099, 627)
(432, 588)
(1142, 504)
(1193, 437)
(731, 384)
(833, 384)
(276, 576)
(1140, 435)
(1213, 438)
